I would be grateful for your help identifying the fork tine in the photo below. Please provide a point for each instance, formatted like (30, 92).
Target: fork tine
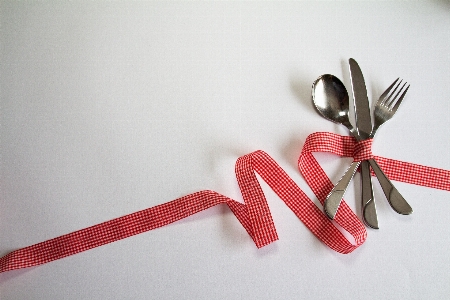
(392, 96)
(386, 92)
(394, 99)
(397, 104)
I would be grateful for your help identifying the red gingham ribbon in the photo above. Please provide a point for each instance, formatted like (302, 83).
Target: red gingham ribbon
(254, 215)
(363, 150)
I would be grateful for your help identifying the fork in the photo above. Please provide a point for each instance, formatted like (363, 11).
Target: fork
(385, 109)
(387, 106)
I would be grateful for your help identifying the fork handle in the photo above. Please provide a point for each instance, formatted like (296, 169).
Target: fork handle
(395, 199)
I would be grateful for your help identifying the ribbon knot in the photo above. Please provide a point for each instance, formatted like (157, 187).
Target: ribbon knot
(363, 150)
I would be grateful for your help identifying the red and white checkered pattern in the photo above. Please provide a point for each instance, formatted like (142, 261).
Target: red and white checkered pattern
(254, 215)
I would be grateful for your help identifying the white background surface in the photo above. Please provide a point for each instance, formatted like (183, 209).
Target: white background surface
(109, 108)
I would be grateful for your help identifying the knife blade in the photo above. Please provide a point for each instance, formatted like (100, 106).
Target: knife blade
(364, 128)
(360, 100)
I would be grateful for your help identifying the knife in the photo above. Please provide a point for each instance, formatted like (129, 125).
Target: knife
(364, 128)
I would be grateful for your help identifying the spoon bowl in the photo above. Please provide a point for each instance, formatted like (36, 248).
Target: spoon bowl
(331, 100)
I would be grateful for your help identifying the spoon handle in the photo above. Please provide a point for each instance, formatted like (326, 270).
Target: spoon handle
(334, 198)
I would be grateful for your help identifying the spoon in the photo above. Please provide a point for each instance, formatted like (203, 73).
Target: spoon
(331, 100)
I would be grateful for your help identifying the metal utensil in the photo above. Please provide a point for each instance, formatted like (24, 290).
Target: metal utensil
(330, 97)
(386, 106)
(331, 100)
(385, 109)
(364, 128)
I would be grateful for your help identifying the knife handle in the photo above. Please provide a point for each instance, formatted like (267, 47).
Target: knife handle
(395, 199)
(369, 210)
(334, 198)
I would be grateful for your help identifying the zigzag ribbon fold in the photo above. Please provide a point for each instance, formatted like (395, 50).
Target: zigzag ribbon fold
(254, 214)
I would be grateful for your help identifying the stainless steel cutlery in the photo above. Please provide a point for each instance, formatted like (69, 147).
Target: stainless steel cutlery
(364, 129)
(331, 100)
